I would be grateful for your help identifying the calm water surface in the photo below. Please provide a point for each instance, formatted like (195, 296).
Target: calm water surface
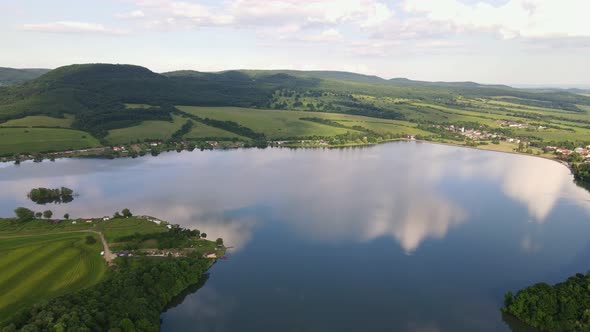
(397, 237)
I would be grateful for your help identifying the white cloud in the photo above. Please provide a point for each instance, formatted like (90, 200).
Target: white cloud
(133, 14)
(328, 35)
(72, 27)
(290, 15)
(515, 18)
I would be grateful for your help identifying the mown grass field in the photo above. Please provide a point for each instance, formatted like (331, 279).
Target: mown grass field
(40, 267)
(159, 130)
(112, 229)
(40, 260)
(31, 140)
(40, 121)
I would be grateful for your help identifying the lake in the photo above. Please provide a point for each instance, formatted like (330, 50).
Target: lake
(403, 236)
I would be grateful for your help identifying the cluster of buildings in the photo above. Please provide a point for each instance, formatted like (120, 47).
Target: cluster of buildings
(564, 153)
(474, 134)
(513, 124)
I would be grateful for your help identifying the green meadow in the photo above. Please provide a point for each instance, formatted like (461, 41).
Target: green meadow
(40, 261)
(159, 130)
(40, 121)
(31, 140)
(201, 131)
(274, 124)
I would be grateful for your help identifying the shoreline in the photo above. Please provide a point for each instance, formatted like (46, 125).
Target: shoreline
(561, 162)
(564, 163)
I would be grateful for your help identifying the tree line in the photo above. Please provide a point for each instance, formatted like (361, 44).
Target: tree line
(561, 307)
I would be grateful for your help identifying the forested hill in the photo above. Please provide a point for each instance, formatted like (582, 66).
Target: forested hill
(15, 76)
(97, 95)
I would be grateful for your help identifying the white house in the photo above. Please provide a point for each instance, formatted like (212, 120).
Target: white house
(74, 222)
(106, 218)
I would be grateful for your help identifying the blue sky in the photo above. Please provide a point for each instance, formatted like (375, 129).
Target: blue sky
(494, 41)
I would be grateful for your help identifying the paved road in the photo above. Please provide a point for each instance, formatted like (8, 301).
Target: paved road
(108, 255)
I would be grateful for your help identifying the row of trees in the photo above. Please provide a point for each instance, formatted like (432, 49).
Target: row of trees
(125, 213)
(176, 237)
(23, 214)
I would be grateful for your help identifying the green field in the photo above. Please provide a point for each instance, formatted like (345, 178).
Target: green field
(31, 140)
(117, 228)
(40, 121)
(274, 124)
(40, 260)
(112, 229)
(386, 126)
(158, 130)
(41, 267)
(203, 131)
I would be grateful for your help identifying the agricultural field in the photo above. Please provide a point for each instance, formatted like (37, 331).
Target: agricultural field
(274, 124)
(159, 130)
(383, 127)
(278, 124)
(120, 227)
(203, 131)
(40, 267)
(112, 229)
(40, 121)
(41, 260)
(32, 140)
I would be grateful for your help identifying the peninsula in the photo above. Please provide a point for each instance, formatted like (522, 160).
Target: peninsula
(97, 273)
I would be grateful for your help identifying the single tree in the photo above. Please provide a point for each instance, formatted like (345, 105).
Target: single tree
(24, 214)
(90, 239)
(117, 215)
(126, 213)
(67, 216)
(219, 241)
(203, 235)
(38, 215)
(47, 214)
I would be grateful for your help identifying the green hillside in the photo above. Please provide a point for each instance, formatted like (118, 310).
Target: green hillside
(96, 99)
(14, 76)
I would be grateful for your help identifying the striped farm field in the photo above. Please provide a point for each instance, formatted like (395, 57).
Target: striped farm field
(41, 267)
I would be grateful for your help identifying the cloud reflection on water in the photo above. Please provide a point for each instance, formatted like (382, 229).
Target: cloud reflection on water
(391, 190)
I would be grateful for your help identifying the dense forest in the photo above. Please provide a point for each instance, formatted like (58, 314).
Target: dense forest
(562, 307)
(582, 172)
(129, 300)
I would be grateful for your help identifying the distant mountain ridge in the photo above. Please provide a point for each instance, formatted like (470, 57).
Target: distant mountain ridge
(14, 76)
(96, 94)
